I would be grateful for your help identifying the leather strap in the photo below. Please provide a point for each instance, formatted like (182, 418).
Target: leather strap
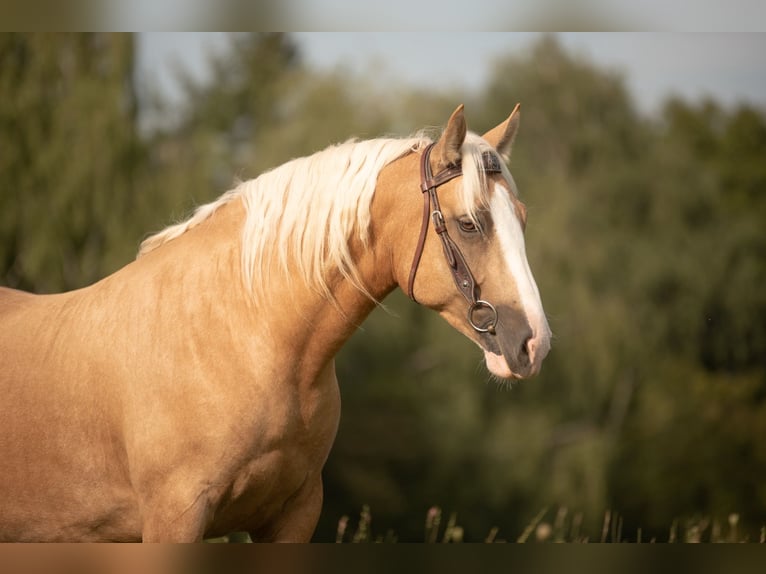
(419, 247)
(445, 175)
(461, 274)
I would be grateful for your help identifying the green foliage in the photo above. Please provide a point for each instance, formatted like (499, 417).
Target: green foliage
(645, 236)
(69, 151)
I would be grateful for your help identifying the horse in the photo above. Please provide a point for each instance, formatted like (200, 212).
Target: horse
(192, 393)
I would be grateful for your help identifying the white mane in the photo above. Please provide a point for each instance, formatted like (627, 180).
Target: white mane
(302, 214)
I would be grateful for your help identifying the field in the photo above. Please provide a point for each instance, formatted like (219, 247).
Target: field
(549, 526)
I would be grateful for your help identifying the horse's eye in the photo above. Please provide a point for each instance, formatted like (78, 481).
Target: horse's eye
(467, 225)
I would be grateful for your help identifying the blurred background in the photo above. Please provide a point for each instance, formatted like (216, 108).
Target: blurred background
(641, 158)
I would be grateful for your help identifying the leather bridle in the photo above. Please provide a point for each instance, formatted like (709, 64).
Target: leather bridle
(461, 274)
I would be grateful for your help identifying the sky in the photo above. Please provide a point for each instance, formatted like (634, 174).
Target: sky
(405, 15)
(728, 67)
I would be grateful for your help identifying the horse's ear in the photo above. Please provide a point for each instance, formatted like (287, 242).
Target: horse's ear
(447, 149)
(502, 136)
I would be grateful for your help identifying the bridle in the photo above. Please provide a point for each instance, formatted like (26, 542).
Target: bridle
(461, 274)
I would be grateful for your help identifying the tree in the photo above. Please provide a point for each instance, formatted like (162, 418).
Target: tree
(70, 150)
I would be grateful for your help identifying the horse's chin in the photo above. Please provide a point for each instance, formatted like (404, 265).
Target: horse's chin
(498, 366)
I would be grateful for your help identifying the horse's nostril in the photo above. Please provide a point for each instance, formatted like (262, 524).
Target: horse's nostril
(526, 350)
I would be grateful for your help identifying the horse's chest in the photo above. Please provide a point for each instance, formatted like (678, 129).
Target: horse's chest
(300, 435)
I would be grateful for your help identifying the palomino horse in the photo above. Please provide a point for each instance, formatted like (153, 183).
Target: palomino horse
(193, 393)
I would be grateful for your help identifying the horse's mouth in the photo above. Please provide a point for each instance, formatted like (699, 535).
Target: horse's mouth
(510, 353)
(498, 366)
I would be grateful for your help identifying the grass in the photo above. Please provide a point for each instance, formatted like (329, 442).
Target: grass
(560, 526)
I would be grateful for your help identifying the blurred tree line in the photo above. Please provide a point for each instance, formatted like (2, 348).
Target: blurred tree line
(646, 237)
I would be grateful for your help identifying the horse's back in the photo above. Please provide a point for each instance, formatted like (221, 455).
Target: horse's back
(21, 316)
(56, 439)
(11, 299)
(20, 313)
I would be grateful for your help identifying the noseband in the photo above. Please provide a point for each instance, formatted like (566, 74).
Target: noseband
(461, 274)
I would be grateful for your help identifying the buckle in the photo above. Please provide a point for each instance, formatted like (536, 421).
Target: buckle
(438, 220)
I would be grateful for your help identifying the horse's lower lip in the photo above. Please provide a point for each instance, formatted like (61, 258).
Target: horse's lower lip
(498, 366)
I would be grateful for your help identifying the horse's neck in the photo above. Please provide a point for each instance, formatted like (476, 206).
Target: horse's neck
(318, 328)
(313, 328)
(200, 273)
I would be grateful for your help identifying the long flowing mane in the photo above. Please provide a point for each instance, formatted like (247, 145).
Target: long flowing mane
(302, 214)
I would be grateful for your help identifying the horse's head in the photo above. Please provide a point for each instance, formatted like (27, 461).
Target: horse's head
(470, 265)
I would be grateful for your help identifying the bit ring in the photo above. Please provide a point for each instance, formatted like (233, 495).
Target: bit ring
(478, 304)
